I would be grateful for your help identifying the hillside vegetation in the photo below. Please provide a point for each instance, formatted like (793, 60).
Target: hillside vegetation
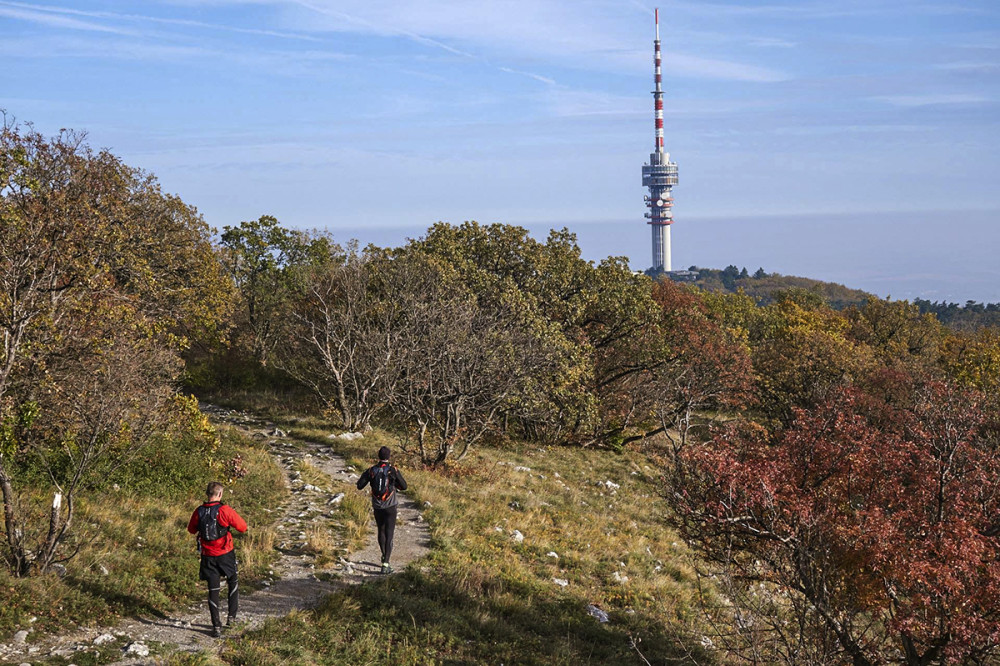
(766, 288)
(831, 476)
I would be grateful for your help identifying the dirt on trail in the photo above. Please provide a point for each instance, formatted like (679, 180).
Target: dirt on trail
(294, 584)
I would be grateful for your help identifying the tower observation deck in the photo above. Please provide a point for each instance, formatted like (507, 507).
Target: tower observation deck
(660, 175)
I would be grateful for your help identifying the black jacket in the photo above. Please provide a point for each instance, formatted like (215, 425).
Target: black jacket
(396, 481)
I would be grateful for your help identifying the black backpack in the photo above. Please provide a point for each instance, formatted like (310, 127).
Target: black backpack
(381, 481)
(208, 523)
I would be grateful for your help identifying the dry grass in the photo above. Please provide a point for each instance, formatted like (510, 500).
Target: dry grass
(257, 548)
(483, 597)
(322, 541)
(192, 659)
(311, 474)
(355, 517)
(135, 555)
(348, 529)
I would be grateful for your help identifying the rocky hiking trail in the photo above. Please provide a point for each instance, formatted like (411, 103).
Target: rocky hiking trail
(294, 584)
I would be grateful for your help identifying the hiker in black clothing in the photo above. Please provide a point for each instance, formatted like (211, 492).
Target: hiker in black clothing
(384, 480)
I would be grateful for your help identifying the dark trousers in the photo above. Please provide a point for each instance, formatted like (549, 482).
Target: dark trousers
(385, 519)
(213, 569)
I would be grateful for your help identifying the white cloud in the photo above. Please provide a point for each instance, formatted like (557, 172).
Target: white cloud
(56, 21)
(772, 43)
(822, 9)
(56, 11)
(55, 46)
(680, 64)
(595, 36)
(932, 100)
(983, 67)
(537, 77)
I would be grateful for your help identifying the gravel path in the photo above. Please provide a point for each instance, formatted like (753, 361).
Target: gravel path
(294, 586)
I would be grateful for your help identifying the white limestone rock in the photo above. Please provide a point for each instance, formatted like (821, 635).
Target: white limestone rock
(595, 612)
(137, 649)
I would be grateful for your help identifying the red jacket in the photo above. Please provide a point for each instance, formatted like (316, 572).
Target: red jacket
(227, 518)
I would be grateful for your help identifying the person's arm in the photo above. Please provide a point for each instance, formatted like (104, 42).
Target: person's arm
(400, 481)
(363, 481)
(193, 523)
(229, 518)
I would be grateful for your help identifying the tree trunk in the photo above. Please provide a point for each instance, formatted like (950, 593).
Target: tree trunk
(15, 544)
(421, 435)
(48, 552)
(345, 407)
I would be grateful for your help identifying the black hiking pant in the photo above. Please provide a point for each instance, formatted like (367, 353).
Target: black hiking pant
(213, 569)
(385, 519)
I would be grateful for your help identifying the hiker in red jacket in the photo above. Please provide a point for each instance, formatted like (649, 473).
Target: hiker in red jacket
(384, 480)
(211, 522)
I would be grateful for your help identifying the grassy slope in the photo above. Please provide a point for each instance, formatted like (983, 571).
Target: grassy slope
(482, 597)
(137, 535)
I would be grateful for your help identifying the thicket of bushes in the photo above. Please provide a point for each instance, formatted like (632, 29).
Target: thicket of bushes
(837, 468)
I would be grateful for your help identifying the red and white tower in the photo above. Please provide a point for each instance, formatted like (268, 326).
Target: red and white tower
(660, 175)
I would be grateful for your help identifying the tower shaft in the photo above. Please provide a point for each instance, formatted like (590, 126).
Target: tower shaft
(660, 175)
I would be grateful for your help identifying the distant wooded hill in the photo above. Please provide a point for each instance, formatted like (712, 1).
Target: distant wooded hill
(764, 288)
(970, 316)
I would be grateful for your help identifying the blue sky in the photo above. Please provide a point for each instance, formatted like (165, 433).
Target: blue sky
(854, 140)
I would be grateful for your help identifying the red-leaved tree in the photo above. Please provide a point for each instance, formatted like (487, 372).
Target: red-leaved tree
(865, 532)
(703, 372)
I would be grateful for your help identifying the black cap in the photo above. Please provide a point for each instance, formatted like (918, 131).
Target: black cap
(384, 453)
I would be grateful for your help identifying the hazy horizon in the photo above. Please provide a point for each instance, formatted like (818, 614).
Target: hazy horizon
(945, 257)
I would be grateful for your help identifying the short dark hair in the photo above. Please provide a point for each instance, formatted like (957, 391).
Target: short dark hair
(213, 489)
(384, 453)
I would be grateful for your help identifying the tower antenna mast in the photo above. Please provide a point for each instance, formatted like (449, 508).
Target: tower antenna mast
(660, 175)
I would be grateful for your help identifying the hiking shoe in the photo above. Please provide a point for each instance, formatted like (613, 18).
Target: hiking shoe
(216, 632)
(386, 569)
(231, 620)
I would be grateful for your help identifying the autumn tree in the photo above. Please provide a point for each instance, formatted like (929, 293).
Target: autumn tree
(597, 323)
(550, 283)
(973, 359)
(343, 333)
(803, 353)
(897, 333)
(702, 372)
(264, 260)
(102, 280)
(864, 532)
(620, 334)
(462, 365)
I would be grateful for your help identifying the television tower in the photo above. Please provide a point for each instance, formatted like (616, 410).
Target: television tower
(660, 175)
